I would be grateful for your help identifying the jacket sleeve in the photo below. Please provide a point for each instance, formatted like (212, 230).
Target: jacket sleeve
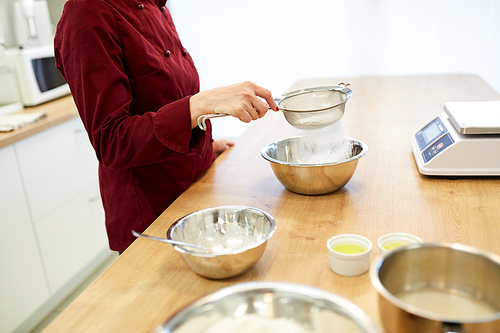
(89, 54)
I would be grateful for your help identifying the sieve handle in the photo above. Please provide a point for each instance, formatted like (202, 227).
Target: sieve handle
(345, 89)
(202, 119)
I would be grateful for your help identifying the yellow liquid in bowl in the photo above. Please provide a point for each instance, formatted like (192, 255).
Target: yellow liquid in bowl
(348, 248)
(393, 245)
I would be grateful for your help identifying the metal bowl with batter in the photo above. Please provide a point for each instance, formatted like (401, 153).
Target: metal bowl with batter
(235, 236)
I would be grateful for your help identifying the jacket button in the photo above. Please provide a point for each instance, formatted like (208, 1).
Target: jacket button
(184, 52)
(163, 8)
(166, 53)
(140, 6)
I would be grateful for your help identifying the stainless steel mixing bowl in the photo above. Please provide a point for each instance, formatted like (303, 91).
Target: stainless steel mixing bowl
(236, 237)
(313, 309)
(306, 165)
(437, 288)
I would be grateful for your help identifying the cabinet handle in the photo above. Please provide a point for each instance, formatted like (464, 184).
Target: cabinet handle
(94, 198)
(79, 130)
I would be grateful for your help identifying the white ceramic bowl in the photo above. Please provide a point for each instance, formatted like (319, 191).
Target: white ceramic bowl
(394, 240)
(349, 264)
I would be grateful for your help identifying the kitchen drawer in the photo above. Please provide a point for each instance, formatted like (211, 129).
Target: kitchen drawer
(56, 164)
(23, 287)
(71, 237)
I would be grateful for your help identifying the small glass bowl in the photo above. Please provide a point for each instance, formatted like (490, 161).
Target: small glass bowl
(353, 256)
(394, 240)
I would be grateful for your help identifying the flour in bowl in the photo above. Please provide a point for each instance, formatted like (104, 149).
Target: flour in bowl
(319, 322)
(252, 323)
(323, 146)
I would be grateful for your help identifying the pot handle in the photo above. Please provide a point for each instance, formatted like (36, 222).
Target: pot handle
(452, 328)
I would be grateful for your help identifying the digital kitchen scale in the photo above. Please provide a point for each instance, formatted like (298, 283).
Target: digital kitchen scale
(462, 141)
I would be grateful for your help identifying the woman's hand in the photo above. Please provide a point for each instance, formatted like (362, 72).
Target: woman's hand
(220, 145)
(242, 100)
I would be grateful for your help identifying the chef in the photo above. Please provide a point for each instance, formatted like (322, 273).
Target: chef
(137, 92)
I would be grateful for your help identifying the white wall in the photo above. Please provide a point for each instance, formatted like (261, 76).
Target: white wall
(278, 42)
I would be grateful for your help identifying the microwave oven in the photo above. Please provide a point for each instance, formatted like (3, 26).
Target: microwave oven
(38, 78)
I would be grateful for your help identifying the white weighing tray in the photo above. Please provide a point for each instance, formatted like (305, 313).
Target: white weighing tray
(474, 117)
(463, 141)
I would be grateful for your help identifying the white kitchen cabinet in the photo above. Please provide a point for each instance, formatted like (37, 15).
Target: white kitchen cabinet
(23, 287)
(56, 164)
(52, 219)
(78, 228)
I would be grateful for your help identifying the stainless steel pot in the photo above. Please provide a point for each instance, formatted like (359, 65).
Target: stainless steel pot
(415, 278)
(307, 109)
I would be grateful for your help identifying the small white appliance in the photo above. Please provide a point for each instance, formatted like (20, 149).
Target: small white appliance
(9, 95)
(462, 141)
(38, 78)
(32, 24)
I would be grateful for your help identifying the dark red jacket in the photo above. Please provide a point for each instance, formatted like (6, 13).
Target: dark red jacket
(131, 80)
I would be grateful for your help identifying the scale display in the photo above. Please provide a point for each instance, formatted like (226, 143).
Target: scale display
(440, 149)
(434, 137)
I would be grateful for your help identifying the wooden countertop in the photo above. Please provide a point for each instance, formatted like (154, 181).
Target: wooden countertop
(57, 111)
(150, 282)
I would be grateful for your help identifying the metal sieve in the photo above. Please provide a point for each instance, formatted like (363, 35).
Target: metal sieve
(307, 109)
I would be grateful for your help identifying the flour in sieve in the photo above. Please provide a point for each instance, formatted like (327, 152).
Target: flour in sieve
(316, 121)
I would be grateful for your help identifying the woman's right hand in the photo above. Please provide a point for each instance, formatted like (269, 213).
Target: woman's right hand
(242, 100)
